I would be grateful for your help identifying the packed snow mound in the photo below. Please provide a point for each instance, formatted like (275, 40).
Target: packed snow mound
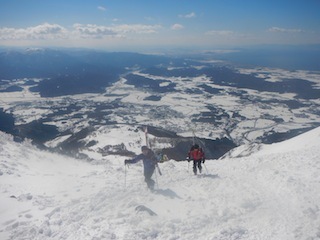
(306, 140)
(267, 196)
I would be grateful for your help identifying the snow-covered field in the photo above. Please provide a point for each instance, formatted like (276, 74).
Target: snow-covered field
(243, 115)
(272, 193)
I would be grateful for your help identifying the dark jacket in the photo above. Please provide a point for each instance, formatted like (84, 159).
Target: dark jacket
(149, 161)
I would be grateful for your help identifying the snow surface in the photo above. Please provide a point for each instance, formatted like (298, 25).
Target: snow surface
(271, 194)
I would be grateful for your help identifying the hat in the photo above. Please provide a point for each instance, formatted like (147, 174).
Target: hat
(144, 148)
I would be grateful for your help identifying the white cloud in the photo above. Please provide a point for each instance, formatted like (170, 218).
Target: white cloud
(189, 15)
(96, 31)
(136, 28)
(101, 8)
(177, 26)
(55, 31)
(284, 30)
(92, 30)
(43, 31)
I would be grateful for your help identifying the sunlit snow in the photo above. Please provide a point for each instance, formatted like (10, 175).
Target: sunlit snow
(272, 193)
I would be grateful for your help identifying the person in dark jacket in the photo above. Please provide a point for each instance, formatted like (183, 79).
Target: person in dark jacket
(197, 155)
(149, 164)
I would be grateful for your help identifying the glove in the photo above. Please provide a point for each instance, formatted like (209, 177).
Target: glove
(126, 162)
(203, 160)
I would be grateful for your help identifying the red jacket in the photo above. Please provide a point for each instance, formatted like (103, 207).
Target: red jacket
(196, 154)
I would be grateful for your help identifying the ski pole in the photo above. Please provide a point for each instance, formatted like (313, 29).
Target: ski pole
(205, 167)
(157, 180)
(125, 176)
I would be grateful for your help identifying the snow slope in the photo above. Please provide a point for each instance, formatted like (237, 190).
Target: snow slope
(271, 194)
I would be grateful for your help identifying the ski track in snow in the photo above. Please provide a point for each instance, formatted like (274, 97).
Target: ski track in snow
(269, 195)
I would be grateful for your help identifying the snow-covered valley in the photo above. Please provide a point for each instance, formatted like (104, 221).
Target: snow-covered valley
(67, 107)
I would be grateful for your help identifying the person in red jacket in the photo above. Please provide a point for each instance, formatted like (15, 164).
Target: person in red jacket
(197, 155)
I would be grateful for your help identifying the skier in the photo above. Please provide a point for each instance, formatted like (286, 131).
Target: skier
(149, 164)
(197, 155)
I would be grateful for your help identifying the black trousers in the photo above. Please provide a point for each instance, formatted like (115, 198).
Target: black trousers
(147, 178)
(197, 163)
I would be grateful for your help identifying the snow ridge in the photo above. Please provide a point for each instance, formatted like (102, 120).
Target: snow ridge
(271, 194)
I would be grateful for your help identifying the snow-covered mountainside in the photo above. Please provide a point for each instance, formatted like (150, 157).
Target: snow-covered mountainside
(272, 193)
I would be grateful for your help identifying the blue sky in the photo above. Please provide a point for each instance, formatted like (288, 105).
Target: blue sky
(146, 24)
